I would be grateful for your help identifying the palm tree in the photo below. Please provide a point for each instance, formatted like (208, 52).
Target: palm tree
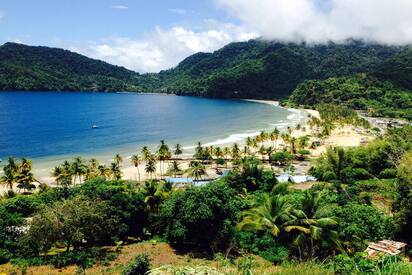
(235, 151)
(104, 171)
(92, 170)
(10, 173)
(135, 160)
(175, 169)
(163, 153)
(310, 223)
(150, 166)
(115, 171)
(196, 170)
(271, 213)
(154, 193)
(274, 136)
(118, 159)
(78, 168)
(199, 151)
(25, 177)
(146, 154)
(178, 150)
(218, 152)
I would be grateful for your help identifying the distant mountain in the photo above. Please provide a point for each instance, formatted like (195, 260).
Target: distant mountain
(261, 69)
(253, 69)
(41, 68)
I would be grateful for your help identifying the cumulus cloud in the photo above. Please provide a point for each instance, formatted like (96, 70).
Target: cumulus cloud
(177, 11)
(385, 21)
(163, 48)
(120, 7)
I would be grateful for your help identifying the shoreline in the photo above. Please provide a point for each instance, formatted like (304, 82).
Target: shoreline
(42, 169)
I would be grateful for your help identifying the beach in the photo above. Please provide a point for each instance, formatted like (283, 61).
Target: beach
(342, 136)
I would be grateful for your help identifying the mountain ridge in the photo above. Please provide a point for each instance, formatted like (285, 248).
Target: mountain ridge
(252, 69)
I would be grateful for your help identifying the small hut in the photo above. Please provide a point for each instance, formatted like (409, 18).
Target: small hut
(385, 247)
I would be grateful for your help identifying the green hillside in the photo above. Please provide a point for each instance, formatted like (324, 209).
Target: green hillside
(41, 68)
(261, 69)
(365, 92)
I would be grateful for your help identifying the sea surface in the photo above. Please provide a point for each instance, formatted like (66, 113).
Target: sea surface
(52, 126)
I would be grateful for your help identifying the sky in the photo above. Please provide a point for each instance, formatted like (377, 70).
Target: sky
(152, 35)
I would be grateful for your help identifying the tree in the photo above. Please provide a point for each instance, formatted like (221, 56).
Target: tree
(274, 136)
(10, 173)
(201, 217)
(115, 171)
(118, 159)
(146, 154)
(175, 169)
(163, 153)
(135, 160)
(196, 170)
(281, 158)
(178, 150)
(150, 166)
(25, 177)
(235, 151)
(311, 223)
(78, 168)
(270, 213)
(75, 222)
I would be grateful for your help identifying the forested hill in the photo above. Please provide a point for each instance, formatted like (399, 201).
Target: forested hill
(261, 69)
(41, 68)
(253, 69)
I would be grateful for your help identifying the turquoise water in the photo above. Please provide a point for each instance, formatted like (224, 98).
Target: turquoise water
(48, 126)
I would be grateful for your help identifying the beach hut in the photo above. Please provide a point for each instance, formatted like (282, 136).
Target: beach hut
(385, 247)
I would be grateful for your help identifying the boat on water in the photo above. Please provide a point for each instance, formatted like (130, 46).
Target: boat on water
(94, 126)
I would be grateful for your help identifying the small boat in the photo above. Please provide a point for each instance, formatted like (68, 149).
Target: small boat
(94, 126)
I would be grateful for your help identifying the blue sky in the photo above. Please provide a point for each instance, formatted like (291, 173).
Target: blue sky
(151, 35)
(41, 21)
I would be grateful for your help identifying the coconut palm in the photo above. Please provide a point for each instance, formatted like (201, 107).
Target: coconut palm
(249, 142)
(10, 171)
(218, 152)
(235, 151)
(270, 213)
(115, 171)
(154, 193)
(175, 169)
(178, 150)
(196, 170)
(25, 177)
(146, 154)
(118, 159)
(150, 166)
(274, 136)
(135, 160)
(199, 153)
(104, 171)
(163, 154)
(78, 169)
(312, 225)
(92, 170)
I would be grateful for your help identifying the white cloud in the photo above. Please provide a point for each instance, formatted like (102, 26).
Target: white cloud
(385, 21)
(119, 7)
(162, 48)
(177, 11)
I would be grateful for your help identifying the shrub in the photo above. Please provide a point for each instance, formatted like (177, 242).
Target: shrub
(263, 245)
(201, 217)
(281, 158)
(139, 266)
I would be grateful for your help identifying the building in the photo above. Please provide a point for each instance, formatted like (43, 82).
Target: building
(385, 247)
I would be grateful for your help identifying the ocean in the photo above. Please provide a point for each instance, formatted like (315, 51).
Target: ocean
(53, 126)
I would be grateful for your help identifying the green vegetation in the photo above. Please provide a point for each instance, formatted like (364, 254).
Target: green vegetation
(253, 69)
(25, 68)
(246, 212)
(363, 92)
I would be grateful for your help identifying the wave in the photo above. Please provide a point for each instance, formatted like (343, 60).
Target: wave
(228, 140)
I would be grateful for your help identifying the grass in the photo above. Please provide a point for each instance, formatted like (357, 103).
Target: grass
(162, 254)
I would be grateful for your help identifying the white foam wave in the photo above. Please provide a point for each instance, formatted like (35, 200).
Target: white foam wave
(228, 140)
